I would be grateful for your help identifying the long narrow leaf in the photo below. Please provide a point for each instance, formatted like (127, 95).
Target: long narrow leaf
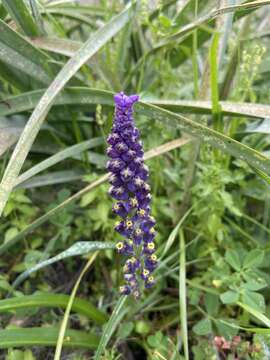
(41, 220)
(64, 324)
(60, 156)
(17, 52)
(116, 317)
(81, 96)
(21, 15)
(46, 337)
(79, 248)
(96, 41)
(183, 294)
(208, 135)
(81, 306)
(210, 16)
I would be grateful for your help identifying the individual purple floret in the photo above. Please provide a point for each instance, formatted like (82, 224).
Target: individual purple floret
(128, 176)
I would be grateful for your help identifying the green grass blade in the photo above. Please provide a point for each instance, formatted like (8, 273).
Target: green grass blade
(210, 16)
(96, 41)
(116, 317)
(183, 295)
(79, 248)
(174, 233)
(83, 307)
(41, 220)
(17, 52)
(213, 60)
(258, 315)
(82, 96)
(46, 337)
(208, 135)
(60, 156)
(247, 329)
(52, 178)
(19, 12)
(61, 336)
(8, 137)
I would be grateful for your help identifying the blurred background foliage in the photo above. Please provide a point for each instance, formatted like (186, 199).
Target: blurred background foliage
(208, 60)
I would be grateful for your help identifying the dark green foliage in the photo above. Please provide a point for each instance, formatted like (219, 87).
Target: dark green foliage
(202, 74)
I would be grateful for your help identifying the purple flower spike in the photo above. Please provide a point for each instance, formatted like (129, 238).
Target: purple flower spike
(128, 176)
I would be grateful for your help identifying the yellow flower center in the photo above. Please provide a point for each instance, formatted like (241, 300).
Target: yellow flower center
(119, 245)
(116, 207)
(129, 224)
(152, 230)
(133, 202)
(138, 231)
(141, 212)
(154, 257)
(145, 272)
(151, 246)
(151, 279)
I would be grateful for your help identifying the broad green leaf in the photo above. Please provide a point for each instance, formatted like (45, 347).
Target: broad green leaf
(79, 248)
(21, 15)
(229, 297)
(254, 258)
(254, 300)
(232, 257)
(254, 285)
(95, 42)
(203, 327)
(117, 315)
(46, 337)
(228, 331)
(17, 52)
(46, 300)
(211, 304)
(60, 156)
